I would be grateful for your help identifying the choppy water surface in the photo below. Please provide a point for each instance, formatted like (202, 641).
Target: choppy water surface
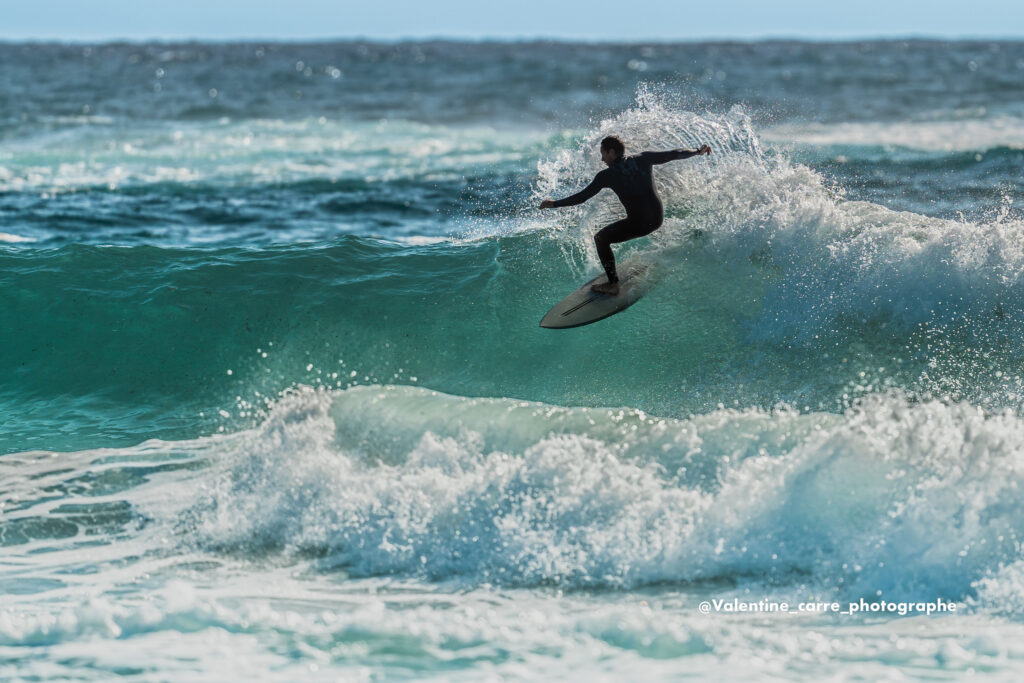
(275, 404)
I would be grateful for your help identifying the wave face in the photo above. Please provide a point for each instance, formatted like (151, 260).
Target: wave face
(275, 400)
(767, 276)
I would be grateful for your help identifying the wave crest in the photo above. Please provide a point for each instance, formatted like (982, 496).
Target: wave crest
(891, 499)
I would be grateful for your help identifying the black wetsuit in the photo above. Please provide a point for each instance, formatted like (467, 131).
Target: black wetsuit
(630, 178)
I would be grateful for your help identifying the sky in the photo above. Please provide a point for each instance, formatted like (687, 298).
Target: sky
(626, 20)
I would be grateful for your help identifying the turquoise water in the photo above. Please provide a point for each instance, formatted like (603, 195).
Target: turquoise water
(276, 405)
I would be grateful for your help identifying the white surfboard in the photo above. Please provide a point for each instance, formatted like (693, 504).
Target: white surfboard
(583, 306)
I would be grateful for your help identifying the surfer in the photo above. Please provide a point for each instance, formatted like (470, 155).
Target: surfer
(630, 178)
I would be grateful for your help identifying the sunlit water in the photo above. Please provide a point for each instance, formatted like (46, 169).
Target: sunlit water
(276, 406)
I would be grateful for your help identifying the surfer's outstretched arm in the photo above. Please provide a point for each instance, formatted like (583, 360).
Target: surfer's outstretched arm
(674, 154)
(595, 186)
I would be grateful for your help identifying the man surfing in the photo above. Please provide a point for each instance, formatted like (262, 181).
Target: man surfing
(631, 180)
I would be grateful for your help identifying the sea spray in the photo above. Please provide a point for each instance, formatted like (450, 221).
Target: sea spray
(895, 499)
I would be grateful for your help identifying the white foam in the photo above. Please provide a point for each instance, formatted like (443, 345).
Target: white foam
(420, 240)
(14, 239)
(963, 135)
(271, 624)
(254, 151)
(247, 562)
(891, 499)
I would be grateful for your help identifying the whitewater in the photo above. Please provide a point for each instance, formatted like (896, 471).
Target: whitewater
(276, 405)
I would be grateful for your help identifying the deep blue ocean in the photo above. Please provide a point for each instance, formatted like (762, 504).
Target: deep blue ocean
(275, 405)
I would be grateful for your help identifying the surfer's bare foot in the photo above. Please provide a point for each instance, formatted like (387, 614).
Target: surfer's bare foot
(611, 288)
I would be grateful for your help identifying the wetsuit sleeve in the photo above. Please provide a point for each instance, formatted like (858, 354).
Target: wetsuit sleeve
(654, 158)
(595, 186)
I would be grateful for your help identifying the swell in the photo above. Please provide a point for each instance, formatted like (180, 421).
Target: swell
(999, 158)
(905, 137)
(955, 185)
(535, 81)
(184, 214)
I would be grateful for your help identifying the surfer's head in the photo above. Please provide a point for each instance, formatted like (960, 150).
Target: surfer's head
(612, 149)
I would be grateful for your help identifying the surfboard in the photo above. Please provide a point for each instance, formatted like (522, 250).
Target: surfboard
(583, 306)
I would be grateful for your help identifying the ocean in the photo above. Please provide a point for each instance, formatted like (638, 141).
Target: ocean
(275, 405)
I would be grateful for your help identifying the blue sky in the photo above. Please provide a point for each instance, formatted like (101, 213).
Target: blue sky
(88, 20)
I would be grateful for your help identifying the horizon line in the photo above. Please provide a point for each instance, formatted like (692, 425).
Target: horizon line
(806, 38)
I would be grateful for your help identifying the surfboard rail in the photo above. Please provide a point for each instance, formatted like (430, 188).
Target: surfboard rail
(584, 306)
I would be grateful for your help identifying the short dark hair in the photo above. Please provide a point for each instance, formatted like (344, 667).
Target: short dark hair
(613, 142)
